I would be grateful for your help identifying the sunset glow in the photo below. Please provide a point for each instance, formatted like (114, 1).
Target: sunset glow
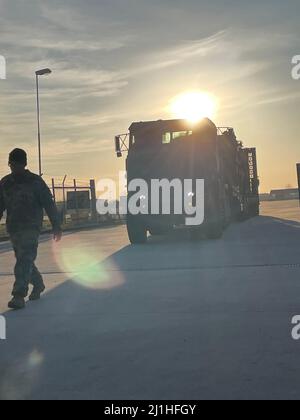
(194, 106)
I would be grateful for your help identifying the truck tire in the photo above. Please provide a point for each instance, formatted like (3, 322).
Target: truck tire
(156, 232)
(159, 231)
(254, 211)
(137, 231)
(196, 234)
(215, 231)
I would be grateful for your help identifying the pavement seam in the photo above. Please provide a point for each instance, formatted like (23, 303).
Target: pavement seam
(211, 267)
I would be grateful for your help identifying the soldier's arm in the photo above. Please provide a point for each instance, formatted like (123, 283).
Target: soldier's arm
(2, 202)
(50, 207)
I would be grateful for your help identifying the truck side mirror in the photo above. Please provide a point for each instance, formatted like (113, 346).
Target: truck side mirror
(118, 146)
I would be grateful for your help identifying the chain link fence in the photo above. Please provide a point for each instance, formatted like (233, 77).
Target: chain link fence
(76, 201)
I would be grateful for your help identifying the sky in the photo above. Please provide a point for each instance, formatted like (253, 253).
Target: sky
(119, 61)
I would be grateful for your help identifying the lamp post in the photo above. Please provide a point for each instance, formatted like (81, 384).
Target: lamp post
(38, 73)
(298, 173)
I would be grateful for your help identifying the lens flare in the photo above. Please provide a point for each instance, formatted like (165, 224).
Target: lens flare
(85, 265)
(18, 381)
(35, 359)
(194, 106)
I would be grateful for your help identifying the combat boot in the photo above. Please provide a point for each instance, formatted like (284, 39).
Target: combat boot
(16, 303)
(36, 292)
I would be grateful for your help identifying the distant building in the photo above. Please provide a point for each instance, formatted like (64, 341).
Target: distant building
(286, 194)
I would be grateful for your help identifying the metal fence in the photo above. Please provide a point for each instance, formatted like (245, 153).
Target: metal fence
(76, 201)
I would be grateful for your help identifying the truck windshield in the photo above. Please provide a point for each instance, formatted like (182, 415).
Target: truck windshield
(176, 135)
(155, 138)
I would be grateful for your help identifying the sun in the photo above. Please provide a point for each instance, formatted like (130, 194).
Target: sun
(194, 106)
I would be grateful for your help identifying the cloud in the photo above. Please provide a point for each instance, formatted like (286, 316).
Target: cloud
(115, 61)
(57, 29)
(176, 54)
(62, 45)
(279, 98)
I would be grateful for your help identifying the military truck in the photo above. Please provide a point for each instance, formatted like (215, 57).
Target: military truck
(178, 149)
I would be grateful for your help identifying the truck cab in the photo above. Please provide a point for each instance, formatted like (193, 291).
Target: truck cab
(178, 149)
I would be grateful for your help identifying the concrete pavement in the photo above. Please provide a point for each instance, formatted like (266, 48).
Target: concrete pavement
(170, 320)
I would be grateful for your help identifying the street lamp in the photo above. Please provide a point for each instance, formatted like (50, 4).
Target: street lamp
(38, 73)
(298, 173)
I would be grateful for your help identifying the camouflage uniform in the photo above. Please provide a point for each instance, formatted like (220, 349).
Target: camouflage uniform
(24, 197)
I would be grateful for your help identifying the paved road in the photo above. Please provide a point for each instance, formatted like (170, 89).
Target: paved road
(288, 210)
(170, 320)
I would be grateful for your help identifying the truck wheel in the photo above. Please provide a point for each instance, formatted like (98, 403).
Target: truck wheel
(242, 217)
(159, 231)
(156, 231)
(195, 234)
(215, 231)
(255, 211)
(137, 231)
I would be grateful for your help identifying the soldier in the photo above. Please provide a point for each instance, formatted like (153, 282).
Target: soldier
(24, 196)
